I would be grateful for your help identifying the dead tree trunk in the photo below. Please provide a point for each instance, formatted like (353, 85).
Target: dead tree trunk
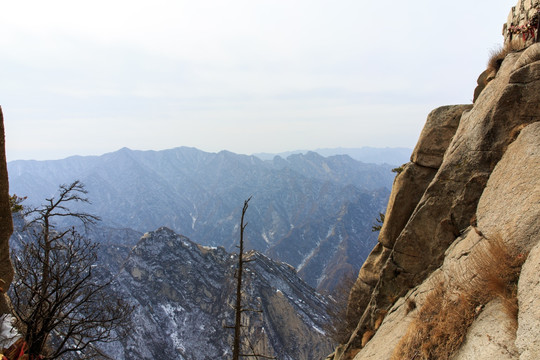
(237, 352)
(238, 306)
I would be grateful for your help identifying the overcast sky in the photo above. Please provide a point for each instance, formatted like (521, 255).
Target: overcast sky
(247, 76)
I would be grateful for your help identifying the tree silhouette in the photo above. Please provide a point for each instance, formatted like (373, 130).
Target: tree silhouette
(62, 306)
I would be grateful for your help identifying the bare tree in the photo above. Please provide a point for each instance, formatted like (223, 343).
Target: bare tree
(239, 309)
(62, 307)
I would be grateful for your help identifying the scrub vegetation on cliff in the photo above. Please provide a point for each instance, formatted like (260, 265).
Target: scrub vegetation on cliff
(441, 324)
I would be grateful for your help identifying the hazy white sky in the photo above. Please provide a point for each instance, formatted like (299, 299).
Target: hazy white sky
(88, 77)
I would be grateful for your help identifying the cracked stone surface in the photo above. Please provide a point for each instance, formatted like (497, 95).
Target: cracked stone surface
(508, 106)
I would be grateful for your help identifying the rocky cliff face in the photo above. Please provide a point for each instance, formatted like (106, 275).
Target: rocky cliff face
(183, 295)
(472, 186)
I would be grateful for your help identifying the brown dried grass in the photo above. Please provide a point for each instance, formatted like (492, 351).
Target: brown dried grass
(437, 331)
(442, 322)
(497, 55)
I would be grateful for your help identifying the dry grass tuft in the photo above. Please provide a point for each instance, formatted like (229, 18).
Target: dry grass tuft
(367, 336)
(443, 320)
(380, 317)
(497, 56)
(497, 270)
(437, 331)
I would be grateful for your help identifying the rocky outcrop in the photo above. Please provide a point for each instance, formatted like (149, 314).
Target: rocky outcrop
(408, 188)
(485, 187)
(528, 331)
(493, 334)
(6, 224)
(183, 294)
(441, 125)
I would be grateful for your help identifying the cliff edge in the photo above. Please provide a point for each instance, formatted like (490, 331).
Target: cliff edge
(461, 234)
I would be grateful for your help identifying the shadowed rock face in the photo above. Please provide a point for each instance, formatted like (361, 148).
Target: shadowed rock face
(407, 190)
(414, 245)
(183, 295)
(6, 224)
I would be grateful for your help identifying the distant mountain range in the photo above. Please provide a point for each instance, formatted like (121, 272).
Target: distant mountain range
(387, 155)
(310, 211)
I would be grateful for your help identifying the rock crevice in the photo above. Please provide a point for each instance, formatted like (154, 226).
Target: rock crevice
(474, 168)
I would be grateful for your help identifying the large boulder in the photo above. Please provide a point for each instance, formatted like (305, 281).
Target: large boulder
(407, 190)
(440, 127)
(510, 204)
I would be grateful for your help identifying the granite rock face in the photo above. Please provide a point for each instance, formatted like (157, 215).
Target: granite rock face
(485, 187)
(441, 125)
(528, 331)
(407, 190)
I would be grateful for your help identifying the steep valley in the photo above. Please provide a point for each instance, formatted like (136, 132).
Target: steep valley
(312, 212)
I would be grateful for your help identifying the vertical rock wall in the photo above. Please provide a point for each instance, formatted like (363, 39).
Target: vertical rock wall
(451, 202)
(409, 186)
(6, 224)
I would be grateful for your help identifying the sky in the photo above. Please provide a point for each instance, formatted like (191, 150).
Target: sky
(248, 76)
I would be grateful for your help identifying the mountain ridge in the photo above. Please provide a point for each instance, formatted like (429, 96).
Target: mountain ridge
(198, 195)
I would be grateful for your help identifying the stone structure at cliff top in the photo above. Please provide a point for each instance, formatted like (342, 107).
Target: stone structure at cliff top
(521, 23)
(473, 176)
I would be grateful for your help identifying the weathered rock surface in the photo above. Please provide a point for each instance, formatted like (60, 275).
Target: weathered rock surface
(510, 204)
(6, 224)
(490, 337)
(487, 186)
(440, 127)
(528, 332)
(407, 190)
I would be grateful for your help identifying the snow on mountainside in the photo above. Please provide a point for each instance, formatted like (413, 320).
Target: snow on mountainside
(183, 295)
(295, 200)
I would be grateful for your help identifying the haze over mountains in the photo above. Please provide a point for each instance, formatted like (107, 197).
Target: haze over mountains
(312, 212)
(387, 155)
